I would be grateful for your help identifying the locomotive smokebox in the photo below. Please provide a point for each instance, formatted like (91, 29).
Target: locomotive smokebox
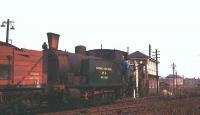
(53, 40)
(80, 50)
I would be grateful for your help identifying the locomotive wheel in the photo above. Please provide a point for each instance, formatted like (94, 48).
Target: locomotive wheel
(100, 99)
(21, 103)
(32, 104)
(17, 109)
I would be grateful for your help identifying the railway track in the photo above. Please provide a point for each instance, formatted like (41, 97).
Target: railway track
(142, 106)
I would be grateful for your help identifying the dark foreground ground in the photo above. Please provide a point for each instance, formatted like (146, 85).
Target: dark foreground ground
(185, 105)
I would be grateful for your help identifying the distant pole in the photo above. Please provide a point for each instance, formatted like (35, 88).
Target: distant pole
(183, 81)
(176, 83)
(183, 84)
(173, 68)
(157, 70)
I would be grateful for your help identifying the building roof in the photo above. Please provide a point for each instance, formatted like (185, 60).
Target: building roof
(171, 76)
(140, 55)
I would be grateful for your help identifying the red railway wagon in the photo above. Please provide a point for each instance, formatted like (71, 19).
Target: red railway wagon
(21, 67)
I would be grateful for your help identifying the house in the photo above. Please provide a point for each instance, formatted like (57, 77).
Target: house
(175, 80)
(191, 82)
(174, 83)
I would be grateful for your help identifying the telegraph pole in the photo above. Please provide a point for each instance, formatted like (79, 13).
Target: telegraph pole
(157, 77)
(173, 68)
(176, 83)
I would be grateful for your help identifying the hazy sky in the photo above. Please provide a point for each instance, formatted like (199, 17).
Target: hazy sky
(171, 26)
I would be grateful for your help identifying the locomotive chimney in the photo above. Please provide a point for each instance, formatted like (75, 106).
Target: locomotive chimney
(53, 40)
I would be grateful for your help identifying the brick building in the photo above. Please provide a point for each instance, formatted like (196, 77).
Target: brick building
(146, 69)
(191, 82)
(172, 82)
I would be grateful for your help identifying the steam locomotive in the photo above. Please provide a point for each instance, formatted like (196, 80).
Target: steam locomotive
(29, 77)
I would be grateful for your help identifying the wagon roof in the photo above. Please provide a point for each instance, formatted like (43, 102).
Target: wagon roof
(9, 45)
